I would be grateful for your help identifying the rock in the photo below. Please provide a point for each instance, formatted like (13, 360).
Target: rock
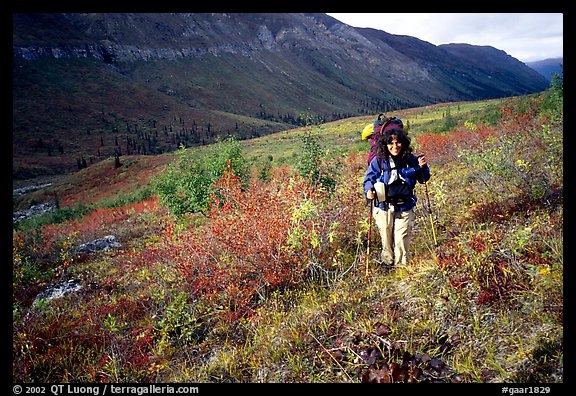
(102, 244)
(27, 189)
(58, 290)
(34, 210)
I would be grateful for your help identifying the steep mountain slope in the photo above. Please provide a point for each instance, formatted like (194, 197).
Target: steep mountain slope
(96, 85)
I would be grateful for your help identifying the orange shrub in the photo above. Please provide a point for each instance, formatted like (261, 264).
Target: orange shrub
(243, 250)
(444, 147)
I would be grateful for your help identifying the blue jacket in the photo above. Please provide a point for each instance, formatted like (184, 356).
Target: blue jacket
(410, 171)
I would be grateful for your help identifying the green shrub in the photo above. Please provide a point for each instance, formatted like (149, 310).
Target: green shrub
(185, 186)
(188, 183)
(225, 150)
(554, 99)
(315, 165)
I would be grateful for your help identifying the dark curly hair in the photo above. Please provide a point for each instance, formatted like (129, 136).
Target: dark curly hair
(383, 139)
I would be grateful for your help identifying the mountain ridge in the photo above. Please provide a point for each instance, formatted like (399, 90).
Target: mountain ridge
(191, 78)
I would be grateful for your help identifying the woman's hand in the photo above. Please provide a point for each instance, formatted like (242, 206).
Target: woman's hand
(421, 160)
(370, 194)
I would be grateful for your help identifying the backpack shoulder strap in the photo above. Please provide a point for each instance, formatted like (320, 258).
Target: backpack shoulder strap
(384, 165)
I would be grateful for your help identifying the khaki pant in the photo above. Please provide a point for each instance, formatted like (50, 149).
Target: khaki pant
(395, 231)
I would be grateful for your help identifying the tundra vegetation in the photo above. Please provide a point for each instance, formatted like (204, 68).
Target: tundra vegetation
(246, 261)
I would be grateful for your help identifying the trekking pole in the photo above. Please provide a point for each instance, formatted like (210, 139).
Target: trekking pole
(430, 213)
(369, 234)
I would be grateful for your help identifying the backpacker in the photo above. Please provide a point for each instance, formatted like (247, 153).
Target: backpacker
(389, 122)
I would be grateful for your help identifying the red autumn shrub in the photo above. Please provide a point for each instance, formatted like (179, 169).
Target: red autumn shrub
(472, 260)
(437, 147)
(445, 147)
(521, 114)
(243, 249)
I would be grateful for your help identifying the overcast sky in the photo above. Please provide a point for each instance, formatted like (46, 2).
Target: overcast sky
(527, 37)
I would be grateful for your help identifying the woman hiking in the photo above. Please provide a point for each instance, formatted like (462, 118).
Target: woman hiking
(398, 169)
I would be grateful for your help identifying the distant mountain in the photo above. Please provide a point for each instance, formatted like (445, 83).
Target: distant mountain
(547, 67)
(89, 86)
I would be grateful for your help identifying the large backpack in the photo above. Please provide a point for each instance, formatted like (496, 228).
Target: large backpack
(378, 129)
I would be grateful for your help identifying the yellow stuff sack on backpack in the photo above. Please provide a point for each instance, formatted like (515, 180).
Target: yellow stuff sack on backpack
(367, 131)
